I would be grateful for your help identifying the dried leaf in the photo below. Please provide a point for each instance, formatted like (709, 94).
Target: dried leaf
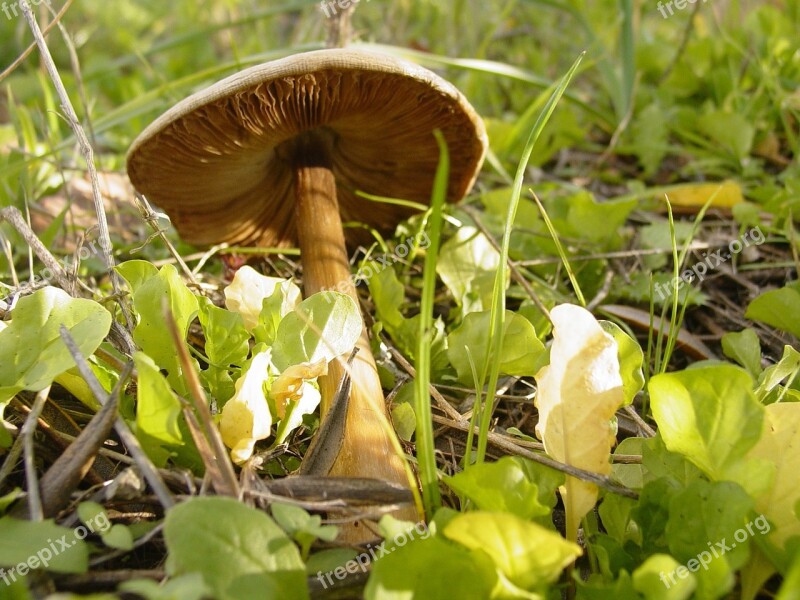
(578, 394)
(246, 293)
(246, 417)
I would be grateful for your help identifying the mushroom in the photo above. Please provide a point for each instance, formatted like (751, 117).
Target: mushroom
(272, 156)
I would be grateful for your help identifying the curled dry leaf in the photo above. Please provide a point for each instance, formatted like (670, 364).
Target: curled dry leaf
(246, 293)
(246, 417)
(578, 394)
(292, 384)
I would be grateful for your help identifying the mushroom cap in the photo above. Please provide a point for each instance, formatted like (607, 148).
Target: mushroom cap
(221, 162)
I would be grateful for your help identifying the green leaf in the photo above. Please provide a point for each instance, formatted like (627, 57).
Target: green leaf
(185, 587)
(158, 411)
(526, 555)
(709, 512)
(521, 348)
(303, 527)
(404, 420)
(431, 569)
(631, 359)
(32, 353)
(745, 348)
(241, 552)
(779, 308)
(656, 579)
(708, 414)
(26, 545)
(150, 291)
(773, 375)
(227, 341)
(732, 130)
(468, 266)
(323, 326)
(501, 486)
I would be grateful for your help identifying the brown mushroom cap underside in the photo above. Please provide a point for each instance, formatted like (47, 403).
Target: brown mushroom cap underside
(220, 163)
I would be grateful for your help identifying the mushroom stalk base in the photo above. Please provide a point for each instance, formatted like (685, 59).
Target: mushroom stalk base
(367, 450)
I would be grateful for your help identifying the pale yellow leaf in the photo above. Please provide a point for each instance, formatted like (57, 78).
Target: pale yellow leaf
(578, 394)
(694, 195)
(247, 292)
(291, 384)
(780, 444)
(246, 417)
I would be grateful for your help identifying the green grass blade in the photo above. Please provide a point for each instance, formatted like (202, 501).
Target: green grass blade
(431, 499)
(495, 334)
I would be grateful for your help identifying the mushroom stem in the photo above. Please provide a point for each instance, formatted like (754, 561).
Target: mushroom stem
(368, 449)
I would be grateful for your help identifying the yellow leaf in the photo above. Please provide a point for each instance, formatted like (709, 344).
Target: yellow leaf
(694, 195)
(578, 394)
(780, 444)
(292, 383)
(247, 291)
(246, 417)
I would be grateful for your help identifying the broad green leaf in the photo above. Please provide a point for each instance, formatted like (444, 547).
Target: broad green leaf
(709, 414)
(136, 272)
(501, 486)
(630, 357)
(150, 292)
(526, 555)
(714, 512)
(227, 340)
(303, 527)
(432, 569)
(773, 375)
(732, 130)
(404, 420)
(521, 348)
(388, 294)
(158, 411)
(779, 308)
(468, 265)
(323, 326)
(236, 548)
(32, 353)
(579, 392)
(657, 579)
(26, 545)
(185, 587)
(659, 462)
(745, 348)
(629, 475)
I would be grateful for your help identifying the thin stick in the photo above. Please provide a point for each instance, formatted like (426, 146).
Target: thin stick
(21, 58)
(28, 429)
(510, 446)
(151, 218)
(221, 470)
(86, 150)
(123, 431)
(14, 218)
